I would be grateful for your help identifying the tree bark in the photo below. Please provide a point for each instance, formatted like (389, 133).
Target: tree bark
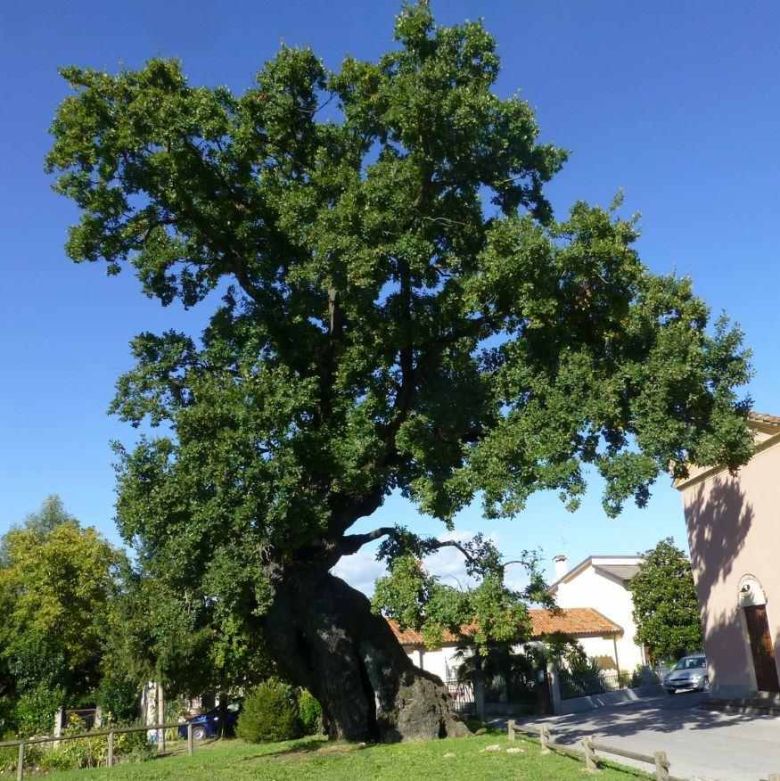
(324, 636)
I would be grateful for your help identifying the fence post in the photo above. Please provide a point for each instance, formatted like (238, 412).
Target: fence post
(110, 759)
(190, 740)
(544, 738)
(554, 684)
(510, 729)
(590, 755)
(161, 718)
(20, 764)
(661, 766)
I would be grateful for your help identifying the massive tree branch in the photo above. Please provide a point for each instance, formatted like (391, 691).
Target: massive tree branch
(436, 544)
(345, 510)
(352, 543)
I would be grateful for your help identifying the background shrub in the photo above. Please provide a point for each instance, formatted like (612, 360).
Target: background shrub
(92, 752)
(86, 752)
(35, 710)
(310, 712)
(119, 698)
(644, 676)
(582, 677)
(9, 756)
(270, 713)
(133, 747)
(7, 716)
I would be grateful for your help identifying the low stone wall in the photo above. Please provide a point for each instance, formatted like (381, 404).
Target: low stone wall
(609, 699)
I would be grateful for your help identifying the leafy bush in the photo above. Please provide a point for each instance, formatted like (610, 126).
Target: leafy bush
(270, 713)
(7, 715)
(93, 751)
(644, 676)
(75, 754)
(309, 712)
(133, 747)
(582, 677)
(9, 756)
(86, 752)
(35, 710)
(119, 698)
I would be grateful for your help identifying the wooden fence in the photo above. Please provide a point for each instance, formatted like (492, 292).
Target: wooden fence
(106, 733)
(586, 752)
(588, 748)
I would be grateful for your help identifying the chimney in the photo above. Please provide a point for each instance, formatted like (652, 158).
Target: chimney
(561, 565)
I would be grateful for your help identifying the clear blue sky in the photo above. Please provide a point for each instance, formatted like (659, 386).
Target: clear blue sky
(677, 103)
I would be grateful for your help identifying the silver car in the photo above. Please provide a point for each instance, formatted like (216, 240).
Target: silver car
(689, 674)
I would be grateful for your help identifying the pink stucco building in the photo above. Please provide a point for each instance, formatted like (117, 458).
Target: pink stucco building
(734, 537)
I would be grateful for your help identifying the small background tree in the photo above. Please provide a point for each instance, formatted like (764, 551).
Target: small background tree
(666, 610)
(56, 582)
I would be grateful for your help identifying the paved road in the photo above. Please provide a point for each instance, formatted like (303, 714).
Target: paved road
(701, 744)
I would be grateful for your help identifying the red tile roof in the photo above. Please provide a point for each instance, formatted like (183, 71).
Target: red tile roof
(576, 621)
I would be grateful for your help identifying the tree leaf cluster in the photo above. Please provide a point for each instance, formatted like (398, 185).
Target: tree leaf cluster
(481, 613)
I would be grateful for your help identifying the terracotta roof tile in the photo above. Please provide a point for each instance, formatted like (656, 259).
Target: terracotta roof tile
(580, 621)
(577, 621)
(413, 637)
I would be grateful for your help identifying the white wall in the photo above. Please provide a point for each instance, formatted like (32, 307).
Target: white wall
(613, 600)
(443, 662)
(601, 646)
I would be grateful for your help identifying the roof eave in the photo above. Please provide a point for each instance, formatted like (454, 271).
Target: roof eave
(701, 475)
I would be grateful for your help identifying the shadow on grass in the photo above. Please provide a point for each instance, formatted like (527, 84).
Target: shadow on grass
(305, 746)
(178, 748)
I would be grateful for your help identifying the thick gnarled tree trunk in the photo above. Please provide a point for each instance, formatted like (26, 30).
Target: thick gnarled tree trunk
(325, 637)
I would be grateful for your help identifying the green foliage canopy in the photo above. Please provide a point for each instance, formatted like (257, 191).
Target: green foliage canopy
(666, 610)
(51, 514)
(486, 613)
(394, 307)
(56, 584)
(176, 638)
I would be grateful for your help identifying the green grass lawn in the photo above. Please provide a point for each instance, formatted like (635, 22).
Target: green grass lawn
(453, 760)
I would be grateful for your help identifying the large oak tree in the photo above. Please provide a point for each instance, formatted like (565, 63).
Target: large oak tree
(394, 308)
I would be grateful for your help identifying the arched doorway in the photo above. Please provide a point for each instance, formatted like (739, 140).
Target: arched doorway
(752, 600)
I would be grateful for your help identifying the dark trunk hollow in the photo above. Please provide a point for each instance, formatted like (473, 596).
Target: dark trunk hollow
(324, 636)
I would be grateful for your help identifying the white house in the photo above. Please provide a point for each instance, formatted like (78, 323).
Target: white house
(601, 582)
(584, 624)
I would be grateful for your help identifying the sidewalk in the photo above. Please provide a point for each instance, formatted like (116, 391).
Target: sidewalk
(702, 744)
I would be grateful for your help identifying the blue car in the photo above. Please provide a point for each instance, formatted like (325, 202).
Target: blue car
(206, 725)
